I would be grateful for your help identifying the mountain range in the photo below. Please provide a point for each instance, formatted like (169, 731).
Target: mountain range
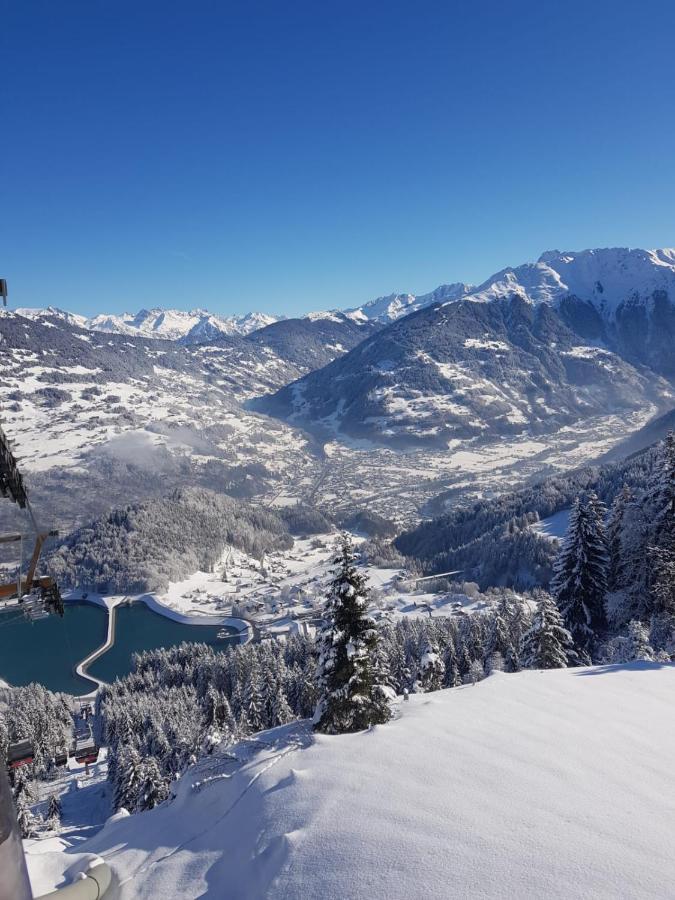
(194, 327)
(533, 348)
(530, 350)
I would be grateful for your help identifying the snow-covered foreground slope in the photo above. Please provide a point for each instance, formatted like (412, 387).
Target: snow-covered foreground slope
(541, 784)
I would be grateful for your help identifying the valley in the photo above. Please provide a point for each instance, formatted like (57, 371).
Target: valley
(201, 481)
(337, 513)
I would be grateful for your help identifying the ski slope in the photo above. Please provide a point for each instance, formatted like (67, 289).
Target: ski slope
(550, 784)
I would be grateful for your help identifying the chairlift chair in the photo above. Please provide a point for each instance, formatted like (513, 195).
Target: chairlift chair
(43, 589)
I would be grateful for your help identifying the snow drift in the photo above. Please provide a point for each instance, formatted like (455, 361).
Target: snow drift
(541, 784)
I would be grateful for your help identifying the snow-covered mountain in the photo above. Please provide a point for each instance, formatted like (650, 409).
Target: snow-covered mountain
(194, 327)
(394, 306)
(611, 291)
(79, 401)
(618, 298)
(606, 278)
(533, 348)
(53, 312)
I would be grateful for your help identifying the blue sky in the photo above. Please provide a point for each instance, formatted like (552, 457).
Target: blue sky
(289, 157)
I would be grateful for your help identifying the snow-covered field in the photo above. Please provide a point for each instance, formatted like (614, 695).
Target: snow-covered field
(398, 484)
(552, 784)
(287, 594)
(554, 526)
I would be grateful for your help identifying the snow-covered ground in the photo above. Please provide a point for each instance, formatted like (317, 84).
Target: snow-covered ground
(287, 592)
(171, 419)
(550, 784)
(554, 526)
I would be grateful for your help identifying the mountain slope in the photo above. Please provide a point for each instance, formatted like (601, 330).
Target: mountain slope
(144, 546)
(606, 278)
(313, 341)
(551, 784)
(621, 298)
(465, 369)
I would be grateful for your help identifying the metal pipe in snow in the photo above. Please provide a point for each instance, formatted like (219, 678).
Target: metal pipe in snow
(95, 883)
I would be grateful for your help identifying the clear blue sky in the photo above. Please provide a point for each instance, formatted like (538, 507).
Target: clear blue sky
(294, 156)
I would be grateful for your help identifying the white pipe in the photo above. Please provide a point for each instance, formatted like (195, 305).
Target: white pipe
(95, 883)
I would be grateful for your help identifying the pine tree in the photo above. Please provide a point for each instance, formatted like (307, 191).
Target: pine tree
(476, 672)
(253, 711)
(495, 663)
(662, 564)
(350, 698)
(431, 670)
(24, 817)
(663, 495)
(662, 628)
(580, 580)
(54, 812)
(630, 598)
(153, 787)
(129, 774)
(400, 672)
(547, 644)
(638, 642)
(23, 798)
(453, 678)
(499, 641)
(616, 574)
(280, 711)
(518, 618)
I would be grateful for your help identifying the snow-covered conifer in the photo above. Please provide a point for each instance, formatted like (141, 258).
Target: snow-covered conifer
(499, 641)
(580, 580)
(547, 643)
(129, 775)
(24, 817)
(350, 698)
(662, 499)
(476, 672)
(280, 712)
(253, 710)
(662, 631)
(431, 671)
(638, 642)
(54, 812)
(153, 788)
(615, 527)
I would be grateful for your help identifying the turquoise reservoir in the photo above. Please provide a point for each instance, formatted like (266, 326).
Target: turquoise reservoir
(47, 651)
(138, 628)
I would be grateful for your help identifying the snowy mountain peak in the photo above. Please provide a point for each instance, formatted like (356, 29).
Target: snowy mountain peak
(604, 277)
(193, 327)
(394, 306)
(54, 312)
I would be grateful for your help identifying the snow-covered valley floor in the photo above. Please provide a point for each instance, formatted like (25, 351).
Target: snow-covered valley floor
(552, 784)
